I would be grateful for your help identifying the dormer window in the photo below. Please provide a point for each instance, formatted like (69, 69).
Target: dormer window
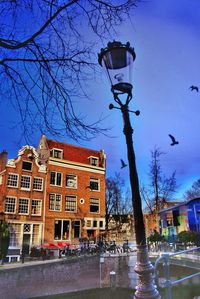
(94, 161)
(56, 153)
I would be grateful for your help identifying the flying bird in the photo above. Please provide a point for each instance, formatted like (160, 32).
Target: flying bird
(173, 140)
(123, 164)
(194, 88)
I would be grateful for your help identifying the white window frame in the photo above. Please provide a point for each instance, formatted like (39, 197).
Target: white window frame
(28, 201)
(15, 235)
(71, 181)
(9, 204)
(95, 204)
(25, 182)
(11, 179)
(95, 180)
(36, 234)
(67, 200)
(56, 179)
(36, 207)
(92, 161)
(61, 231)
(54, 151)
(54, 202)
(93, 224)
(88, 223)
(102, 221)
(34, 183)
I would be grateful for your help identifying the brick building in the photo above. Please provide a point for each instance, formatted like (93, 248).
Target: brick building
(54, 194)
(22, 184)
(75, 191)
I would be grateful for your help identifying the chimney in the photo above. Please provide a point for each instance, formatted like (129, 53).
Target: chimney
(3, 160)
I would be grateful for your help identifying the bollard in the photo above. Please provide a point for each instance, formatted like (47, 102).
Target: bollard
(100, 269)
(112, 279)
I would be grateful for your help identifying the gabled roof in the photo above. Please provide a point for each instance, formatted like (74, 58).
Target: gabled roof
(184, 203)
(75, 153)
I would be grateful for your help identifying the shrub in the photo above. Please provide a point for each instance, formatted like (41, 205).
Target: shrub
(35, 252)
(4, 239)
(155, 237)
(189, 237)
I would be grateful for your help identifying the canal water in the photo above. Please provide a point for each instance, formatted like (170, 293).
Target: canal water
(104, 293)
(186, 290)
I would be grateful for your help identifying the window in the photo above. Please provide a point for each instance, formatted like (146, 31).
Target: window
(36, 235)
(15, 235)
(88, 223)
(36, 207)
(94, 184)
(23, 205)
(61, 229)
(56, 178)
(76, 226)
(27, 228)
(55, 202)
(27, 165)
(71, 181)
(101, 224)
(56, 153)
(70, 204)
(25, 182)
(10, 205)
(94, 161)
(94, 205)
(38, 184)
(94, 223)
(12, 180)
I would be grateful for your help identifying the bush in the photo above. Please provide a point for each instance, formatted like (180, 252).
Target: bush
(35, 252)
(189, 237)
(155, 237)
(4, 239)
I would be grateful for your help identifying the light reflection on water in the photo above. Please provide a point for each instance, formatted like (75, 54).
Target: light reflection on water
(186, 290)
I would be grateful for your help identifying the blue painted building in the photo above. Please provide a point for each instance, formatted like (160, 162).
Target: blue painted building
(182, 217)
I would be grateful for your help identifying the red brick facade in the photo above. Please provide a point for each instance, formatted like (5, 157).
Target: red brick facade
(54, 194)
(76, 176)
(22, 184)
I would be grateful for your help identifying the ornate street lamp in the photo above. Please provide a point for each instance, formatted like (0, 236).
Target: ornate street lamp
(117, 59)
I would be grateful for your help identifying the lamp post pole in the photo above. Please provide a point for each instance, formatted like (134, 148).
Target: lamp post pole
(146, 288)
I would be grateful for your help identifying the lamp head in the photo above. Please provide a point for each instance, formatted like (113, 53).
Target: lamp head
(117, 59)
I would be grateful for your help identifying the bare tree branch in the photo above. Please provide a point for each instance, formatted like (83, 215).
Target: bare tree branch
(14, 45)
(160, 188)
(194, 191)
(47, 60)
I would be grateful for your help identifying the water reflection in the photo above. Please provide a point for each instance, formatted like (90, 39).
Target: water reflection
(105, 293)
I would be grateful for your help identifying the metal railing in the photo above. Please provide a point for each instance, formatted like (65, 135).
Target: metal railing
(168, 283)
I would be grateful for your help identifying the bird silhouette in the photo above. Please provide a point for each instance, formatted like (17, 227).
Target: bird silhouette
(194, 88)
(173, 140)
(123, 164)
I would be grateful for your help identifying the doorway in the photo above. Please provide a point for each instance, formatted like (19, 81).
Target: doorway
(26, 243)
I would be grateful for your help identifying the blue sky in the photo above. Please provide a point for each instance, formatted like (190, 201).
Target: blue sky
(165, 35)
